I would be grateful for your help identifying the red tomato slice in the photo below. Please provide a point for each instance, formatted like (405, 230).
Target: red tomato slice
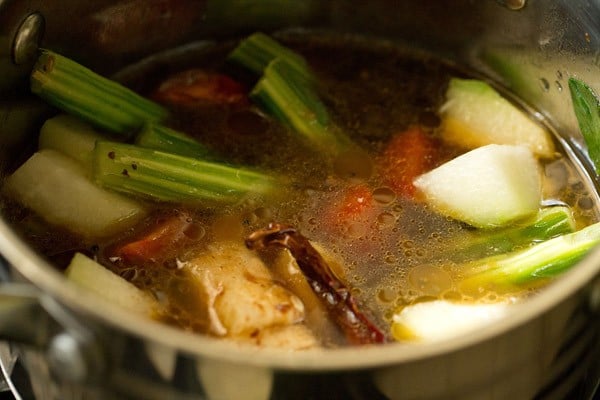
(189, 87)
(407, 155)
(160, 243)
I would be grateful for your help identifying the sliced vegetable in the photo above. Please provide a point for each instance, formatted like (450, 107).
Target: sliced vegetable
(439, 320)
(286, 90)
(487, 187)
(79, 91)
(164, 176)
(475, 115)
(548, 223)
(335, 295)
(587, 110)
(93, 277)
(71, 136)
(57, 188)
(160, 137)
(160, 243)
(356, 201)
(197, 86)
(406, 156)
(258, 50)
(543, 260)
(291, 98)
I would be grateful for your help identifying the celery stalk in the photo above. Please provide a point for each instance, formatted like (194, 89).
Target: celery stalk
(160, 137)
(587, 110)
(287, 90)
(258, 50)
(162, 176)
(290, 98)
(543, 260)
(79, 91)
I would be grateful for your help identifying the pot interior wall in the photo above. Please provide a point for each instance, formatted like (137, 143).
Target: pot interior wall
(531, 50)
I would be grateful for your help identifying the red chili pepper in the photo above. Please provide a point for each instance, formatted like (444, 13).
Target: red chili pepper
(334, 294)
(408, 155)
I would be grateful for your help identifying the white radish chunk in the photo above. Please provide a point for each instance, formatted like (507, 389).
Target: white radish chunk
(94, 277)
(488, 187)
(435, 320)
(475, 115)
(57, 188)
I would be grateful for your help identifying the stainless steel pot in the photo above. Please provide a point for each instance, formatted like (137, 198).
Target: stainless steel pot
(74, 345)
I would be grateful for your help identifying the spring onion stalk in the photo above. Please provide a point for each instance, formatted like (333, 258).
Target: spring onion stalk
(543, 260)
(587, 110)
(257, 51)
(287, 96)
(79, 91)
(548, 223)
(161, 176)
(159, 137)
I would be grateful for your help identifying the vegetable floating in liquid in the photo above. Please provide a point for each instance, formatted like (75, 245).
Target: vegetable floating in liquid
(414, 189)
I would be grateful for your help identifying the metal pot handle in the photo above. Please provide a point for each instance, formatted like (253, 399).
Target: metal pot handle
(33, 319)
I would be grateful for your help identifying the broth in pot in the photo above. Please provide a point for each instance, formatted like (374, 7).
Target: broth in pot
(344, 192)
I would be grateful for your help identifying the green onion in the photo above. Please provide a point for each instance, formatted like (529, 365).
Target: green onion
(587, 111)
(162, 176)
(159, 137)
(79, 91)
(540, 261)
(258, 50)
(548, 223)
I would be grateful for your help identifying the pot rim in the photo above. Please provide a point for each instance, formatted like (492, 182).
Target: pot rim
(51, 282)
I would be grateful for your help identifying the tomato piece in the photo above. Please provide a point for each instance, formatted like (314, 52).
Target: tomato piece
(407, 155)
(160, 243)
(195, 86)
(352, 206)
(357, 200)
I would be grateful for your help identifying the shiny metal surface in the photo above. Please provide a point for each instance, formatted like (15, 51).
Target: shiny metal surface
(27, 39)
(530, 48)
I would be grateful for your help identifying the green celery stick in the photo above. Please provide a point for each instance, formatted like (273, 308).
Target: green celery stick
(160, 137)
(291, 99)
(162, 176)
(258, 50)
(79, 91)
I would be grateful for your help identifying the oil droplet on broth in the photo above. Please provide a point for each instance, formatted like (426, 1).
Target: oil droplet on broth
(386, 220)
(429, 280)
(384, 195)
(386, 295)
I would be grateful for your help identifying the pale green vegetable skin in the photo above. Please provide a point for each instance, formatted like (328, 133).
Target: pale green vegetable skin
(70, 136)
(488, 187)
(95, 278)
(475, 115)
(66, 197)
